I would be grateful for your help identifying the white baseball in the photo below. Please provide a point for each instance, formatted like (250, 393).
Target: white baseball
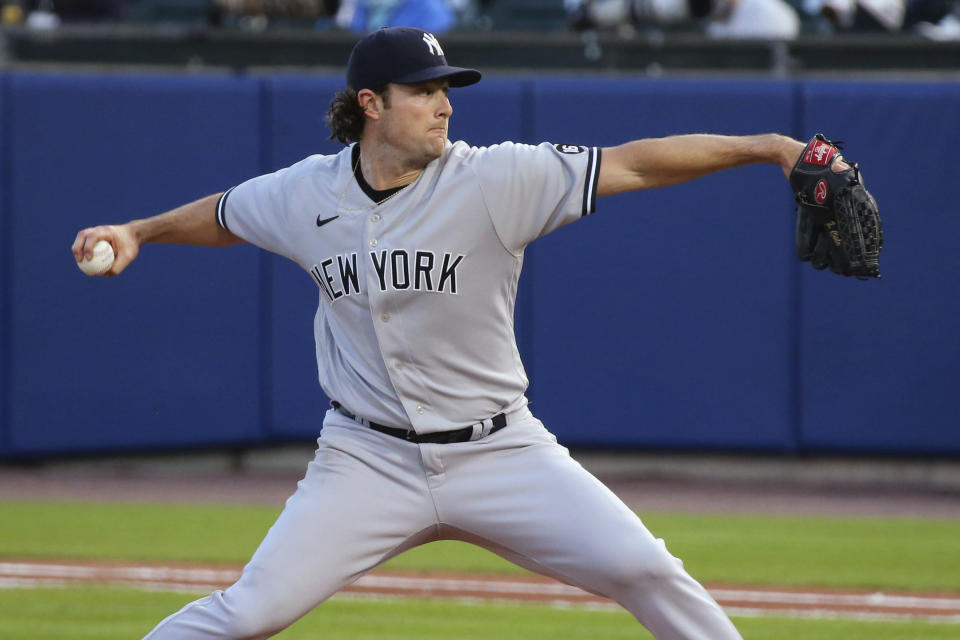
(101, 261)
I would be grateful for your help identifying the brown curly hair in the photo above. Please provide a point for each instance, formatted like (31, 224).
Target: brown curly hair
(345, 117)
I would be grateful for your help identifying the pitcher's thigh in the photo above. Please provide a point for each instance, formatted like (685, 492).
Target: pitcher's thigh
(538, 507)
(541, 504)
(345, 517)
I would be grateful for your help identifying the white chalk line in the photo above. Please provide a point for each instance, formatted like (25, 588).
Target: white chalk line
(736, 601)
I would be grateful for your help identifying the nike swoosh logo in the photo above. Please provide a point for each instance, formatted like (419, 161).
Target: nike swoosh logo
(321, 222)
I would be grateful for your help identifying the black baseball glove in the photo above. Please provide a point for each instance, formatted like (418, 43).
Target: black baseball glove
(838, 222)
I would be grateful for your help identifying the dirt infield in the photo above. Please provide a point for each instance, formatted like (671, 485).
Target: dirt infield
(738, 600)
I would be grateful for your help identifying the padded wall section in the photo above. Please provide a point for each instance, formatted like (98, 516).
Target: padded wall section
(4, 272)
(666, 318)
(483, 114)
(671, 318)
(167, 354)
(881, 359)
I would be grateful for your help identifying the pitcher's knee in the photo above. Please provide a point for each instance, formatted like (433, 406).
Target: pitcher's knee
(245, 625)
(252, 618)
(644, 567)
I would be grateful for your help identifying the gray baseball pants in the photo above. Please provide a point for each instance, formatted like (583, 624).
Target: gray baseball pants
(367, 497)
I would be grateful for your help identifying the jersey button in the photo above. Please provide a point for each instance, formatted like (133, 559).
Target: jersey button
(420, 409)
(375, 217)
(385, 317)
(373, 242)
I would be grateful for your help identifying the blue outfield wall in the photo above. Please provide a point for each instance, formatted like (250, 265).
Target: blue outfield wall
(664, 319)
(167, 355)
(674, 318)
(5, 282)
(893, 345)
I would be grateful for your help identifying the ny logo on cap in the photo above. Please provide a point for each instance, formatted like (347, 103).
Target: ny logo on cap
(432, 43)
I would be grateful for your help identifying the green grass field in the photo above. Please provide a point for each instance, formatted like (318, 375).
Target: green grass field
(881, 553)
(105, 614)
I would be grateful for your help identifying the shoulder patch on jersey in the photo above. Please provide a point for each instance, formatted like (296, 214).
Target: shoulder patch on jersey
(570, 148)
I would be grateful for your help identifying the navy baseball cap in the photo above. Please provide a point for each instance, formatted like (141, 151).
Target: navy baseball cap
(403, 55)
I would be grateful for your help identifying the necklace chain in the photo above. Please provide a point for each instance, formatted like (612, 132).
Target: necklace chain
(353, 176)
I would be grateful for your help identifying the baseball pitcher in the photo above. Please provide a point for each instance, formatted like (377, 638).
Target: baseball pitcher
(415, 244)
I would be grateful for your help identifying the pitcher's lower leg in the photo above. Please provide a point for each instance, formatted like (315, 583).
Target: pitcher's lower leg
(670, 603)
(235, 614)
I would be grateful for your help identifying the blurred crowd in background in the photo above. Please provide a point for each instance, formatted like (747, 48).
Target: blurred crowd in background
(766, 19)
(772, 19)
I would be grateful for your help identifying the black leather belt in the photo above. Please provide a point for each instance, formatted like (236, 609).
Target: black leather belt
(465, 434)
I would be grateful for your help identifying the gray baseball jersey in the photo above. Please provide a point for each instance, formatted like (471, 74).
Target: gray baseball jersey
(415, 320)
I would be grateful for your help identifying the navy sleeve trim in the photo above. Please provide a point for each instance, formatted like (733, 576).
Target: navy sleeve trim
(222, 209)
(590, 184)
